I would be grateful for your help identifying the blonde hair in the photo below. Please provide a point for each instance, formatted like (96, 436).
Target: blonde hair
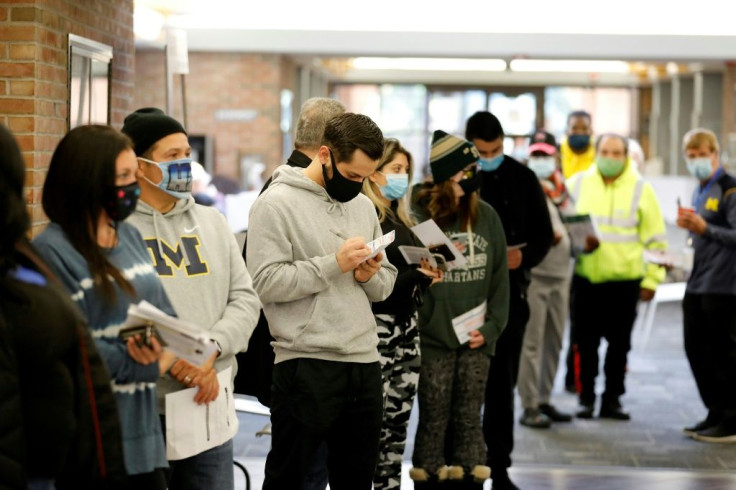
(391, 148)
(695, 138)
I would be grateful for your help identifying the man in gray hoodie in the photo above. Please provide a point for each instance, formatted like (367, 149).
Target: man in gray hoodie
(199, 263)
(308, 256)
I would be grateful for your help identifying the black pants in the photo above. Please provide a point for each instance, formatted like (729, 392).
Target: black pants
(605, 310)
(572, 358)
(155, 480)
(710, 344)
(498, 414)
(313, 401)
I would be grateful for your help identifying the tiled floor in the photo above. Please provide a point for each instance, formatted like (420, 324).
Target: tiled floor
(649, 452)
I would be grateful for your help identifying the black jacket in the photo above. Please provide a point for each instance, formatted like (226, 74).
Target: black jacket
(50, 375)
(255, 366)
(515, 193)
(410, 283)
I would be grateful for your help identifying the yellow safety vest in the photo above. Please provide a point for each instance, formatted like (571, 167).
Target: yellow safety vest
(572, 162)
(629, 220)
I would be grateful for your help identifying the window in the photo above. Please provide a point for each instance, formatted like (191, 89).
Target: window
(89, 82)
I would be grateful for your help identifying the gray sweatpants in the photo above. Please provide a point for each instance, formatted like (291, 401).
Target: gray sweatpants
(540, 353)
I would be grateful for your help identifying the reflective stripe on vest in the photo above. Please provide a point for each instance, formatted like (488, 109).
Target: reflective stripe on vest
(578, 187)
(631, 221)
(616, 238)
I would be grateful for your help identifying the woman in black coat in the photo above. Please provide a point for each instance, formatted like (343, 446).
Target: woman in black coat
(58, 417)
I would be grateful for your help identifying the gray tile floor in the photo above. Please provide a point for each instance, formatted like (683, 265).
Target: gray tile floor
(650, 449)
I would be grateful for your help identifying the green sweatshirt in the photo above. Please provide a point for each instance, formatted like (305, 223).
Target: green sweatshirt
(484, 278)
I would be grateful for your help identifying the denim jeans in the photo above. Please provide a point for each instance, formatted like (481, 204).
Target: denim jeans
(212, 469)
(41, 484)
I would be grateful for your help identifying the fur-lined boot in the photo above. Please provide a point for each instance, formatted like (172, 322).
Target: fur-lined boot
(423, 480)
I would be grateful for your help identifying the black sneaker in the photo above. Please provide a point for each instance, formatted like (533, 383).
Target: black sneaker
(713, 419)
(535, 419)
(722, 434)
(613, 411)
(585, 412)
(551, 412)
(700, 426)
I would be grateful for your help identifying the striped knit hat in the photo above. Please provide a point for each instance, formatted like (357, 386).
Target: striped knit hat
(449, 155)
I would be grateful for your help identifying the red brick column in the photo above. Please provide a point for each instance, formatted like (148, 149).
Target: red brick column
(34, 95)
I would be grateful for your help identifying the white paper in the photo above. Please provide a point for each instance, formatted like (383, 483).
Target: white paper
(580, 227)
(191, 428)
(182, 338)
(414, 255)
(469, 321)
(669, 259)
(431, 236)
(380, 243)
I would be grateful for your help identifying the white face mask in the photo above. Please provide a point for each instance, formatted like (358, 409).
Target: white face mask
(543, 167)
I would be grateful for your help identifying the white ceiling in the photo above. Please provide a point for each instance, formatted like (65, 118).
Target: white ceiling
(630, 30)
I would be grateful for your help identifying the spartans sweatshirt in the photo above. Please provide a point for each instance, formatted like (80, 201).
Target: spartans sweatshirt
(198, 260)
(314, 310)
(485, 278)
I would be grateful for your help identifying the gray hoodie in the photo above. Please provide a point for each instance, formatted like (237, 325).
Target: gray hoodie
(198, 260)
(314, 310)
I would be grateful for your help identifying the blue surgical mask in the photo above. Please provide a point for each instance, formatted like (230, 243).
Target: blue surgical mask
(177, 177)
(396, 186)
(543, 167)
(700, 168)
(490, 164)
(578, 141)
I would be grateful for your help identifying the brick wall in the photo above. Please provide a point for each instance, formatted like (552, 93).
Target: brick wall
(33, 74)
(230, 81)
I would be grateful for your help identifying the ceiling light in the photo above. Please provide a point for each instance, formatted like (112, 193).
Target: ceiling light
(575, 66)
(429, 64)
(147, 23)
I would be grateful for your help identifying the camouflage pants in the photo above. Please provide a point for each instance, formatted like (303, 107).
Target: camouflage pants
(451, 394)
(398, 346)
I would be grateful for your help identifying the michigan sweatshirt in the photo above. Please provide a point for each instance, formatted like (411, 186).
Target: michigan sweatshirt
(198, 260)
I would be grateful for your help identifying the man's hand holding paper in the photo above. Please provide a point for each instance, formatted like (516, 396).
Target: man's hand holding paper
(204, 377)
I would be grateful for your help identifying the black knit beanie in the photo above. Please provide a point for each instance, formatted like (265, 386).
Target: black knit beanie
(449, 155)
(148, 125)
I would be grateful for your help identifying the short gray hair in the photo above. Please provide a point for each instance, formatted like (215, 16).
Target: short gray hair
(313, 118)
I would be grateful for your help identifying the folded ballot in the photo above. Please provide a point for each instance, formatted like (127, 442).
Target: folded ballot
(580, 226)
(184, 339)
(437, 242)
(380, 243)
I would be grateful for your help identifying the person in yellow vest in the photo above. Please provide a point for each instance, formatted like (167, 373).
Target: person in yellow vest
(577, 154)
(577, 151)
(612, 271)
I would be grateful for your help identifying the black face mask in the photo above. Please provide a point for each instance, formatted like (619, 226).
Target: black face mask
(339, 187)
(470, 185)
(119, 201)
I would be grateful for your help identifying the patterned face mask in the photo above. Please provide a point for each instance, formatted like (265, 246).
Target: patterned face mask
(177, 177)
